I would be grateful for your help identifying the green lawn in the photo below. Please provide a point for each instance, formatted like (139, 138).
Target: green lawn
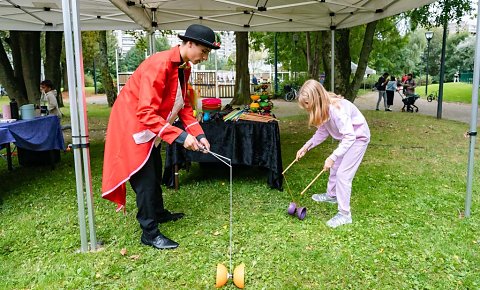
(452, 92)
(406, 234)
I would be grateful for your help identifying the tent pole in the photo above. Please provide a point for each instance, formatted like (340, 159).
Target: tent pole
(217, 94)
(276, 62)
(332, 77)
(473, 119)
(74, 121)
(81, 101)
(116, 70)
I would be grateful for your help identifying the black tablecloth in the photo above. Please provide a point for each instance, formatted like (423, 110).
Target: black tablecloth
(245, 142)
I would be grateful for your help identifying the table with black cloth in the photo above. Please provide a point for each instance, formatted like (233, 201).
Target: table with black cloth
(40, 138)
(245, 142)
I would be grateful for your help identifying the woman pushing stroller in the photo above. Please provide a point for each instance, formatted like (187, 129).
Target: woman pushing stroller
(334, 116)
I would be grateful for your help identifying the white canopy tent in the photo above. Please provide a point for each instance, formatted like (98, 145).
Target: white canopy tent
(72, 16)
(368, 71)
(221, 15)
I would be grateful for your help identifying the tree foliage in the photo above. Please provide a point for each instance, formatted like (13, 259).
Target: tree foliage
(387, 54)
(438, 13)
(138, 53)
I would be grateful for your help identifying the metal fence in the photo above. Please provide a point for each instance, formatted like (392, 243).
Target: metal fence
(466, 77)
(204, 83)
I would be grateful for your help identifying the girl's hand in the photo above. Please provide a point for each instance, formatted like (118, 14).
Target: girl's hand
(303, 151)
(328, 164)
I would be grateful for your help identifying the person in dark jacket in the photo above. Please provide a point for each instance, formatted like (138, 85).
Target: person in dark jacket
(381, 87)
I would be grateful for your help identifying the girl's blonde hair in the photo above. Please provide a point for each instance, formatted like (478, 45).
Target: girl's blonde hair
(316, 100)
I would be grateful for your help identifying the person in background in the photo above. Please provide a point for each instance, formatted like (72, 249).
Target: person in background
(390, 89)
(410, 85)
(254, 80)
(381, 84)
(334, 116)
(141, 117)
(49, 98)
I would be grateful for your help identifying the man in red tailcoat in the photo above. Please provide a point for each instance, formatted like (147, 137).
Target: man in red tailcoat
(153, 97)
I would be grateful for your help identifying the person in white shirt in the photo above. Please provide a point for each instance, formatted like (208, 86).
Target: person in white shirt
(391, 88)
(49, 98)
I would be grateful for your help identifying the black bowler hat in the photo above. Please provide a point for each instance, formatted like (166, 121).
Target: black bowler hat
(200, 34)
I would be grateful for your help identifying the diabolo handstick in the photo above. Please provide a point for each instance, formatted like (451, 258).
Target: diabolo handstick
(310, 184)
(289, 166)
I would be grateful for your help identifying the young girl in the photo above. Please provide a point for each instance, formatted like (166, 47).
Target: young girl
(49, 98)
(339, 118)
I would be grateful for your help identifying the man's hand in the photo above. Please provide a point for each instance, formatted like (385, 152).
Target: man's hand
(191, 143)
(328, 164)
(205, 144)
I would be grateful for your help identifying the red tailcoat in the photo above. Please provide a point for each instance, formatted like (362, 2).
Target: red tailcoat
(138, 116)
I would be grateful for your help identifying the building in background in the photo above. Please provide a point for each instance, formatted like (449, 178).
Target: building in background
(464, 25)
(125, 41)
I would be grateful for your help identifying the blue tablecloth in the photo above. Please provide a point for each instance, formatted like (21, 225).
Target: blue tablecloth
(6, 136)
(38, 134)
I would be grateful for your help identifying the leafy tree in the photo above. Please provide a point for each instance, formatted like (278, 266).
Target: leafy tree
(438, 13)
(210, 63)
(388, 53)
(410, 55)
(461, 52)
(435, 15)
(132, 59)
(138, 53)
(344, 86)
(310, 52)
(20, 75)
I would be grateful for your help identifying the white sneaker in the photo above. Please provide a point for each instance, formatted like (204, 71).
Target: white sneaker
(339, 219)
(324, 198)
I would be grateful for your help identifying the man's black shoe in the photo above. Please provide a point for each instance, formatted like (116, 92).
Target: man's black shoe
(159, 242)
(170, 216)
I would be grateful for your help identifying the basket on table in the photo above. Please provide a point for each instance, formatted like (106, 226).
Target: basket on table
(210, 105)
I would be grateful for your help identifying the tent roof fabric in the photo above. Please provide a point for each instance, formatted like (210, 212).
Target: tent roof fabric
(220, 15)
(46, 15)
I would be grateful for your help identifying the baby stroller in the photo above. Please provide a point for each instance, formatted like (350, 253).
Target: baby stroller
(408, 101)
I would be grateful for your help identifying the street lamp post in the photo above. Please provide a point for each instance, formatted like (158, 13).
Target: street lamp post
(428, 36)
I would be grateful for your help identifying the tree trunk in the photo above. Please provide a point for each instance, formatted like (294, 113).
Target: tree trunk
(313, 51)
(107, 80)
(347, 89)
(52, 63)
(309, 52)
(343, 60)
(352, 90)
(12, 80)
(64, 74)
(325, 53)
(242, 79)
(31, 59)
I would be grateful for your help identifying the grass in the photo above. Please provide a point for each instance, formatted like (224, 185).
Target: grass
(407, 233)
(452, 92)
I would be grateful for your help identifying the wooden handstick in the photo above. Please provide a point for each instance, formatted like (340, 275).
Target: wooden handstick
(295, 160)
(308, 186)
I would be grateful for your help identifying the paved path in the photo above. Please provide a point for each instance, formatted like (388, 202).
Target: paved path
(451, 111)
